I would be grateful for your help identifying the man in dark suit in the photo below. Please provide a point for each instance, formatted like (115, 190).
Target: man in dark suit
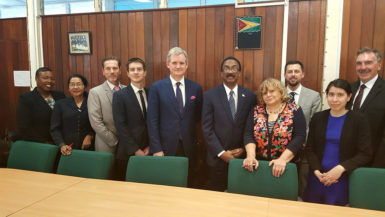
(369, 98)
(35, 108)
(224, 113)
(129, 106)
(174, 109)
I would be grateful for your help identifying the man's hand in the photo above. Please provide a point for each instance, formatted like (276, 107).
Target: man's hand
(87, 141)
(146, 150)
(227, 156)
(161, 154)
(237, 152)
(139, 152)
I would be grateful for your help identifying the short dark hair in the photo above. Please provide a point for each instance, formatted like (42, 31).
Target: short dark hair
(136, 60)
(84, 80)
(369, 50)
(42, 69)
(340, 83)
(111, 58)
(230, 58)
(293, 62)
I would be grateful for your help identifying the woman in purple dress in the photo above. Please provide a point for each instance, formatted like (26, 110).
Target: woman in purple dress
(338, 142)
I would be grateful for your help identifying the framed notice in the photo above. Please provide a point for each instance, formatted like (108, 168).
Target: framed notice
(248, 32)
(79, 43)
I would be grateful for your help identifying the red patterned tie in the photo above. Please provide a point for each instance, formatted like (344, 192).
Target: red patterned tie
(357, 102)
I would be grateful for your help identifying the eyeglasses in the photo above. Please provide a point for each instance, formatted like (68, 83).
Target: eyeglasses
(76, 85)
(233, 69)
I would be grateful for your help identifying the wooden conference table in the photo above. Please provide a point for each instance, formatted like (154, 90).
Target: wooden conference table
(27, 193)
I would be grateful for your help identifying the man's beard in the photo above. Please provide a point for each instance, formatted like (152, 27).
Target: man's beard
(293, 84)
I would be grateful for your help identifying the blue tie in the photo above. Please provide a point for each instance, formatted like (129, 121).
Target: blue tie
(179, 97)
(292, 100)
(232, 104)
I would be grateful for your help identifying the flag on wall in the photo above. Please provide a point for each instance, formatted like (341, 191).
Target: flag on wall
(248, 32)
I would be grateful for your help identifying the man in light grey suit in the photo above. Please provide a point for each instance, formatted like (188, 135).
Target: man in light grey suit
(100, 106)
(310, 102)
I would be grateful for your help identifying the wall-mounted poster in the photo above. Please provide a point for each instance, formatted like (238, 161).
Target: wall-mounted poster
(248, 32)
(79, 43)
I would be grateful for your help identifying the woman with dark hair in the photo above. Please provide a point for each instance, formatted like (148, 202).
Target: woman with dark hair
(338, 142)
(35, 108)
(70, 126)
(275, 129)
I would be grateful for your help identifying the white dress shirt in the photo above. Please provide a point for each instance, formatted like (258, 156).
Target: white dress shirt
(296, 91)
(136, 91)
(181, 87)
(235, 95)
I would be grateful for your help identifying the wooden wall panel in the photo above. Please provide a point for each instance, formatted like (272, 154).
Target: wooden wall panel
(206, 33)
(306, 36)
(363, 26)
(13, 56)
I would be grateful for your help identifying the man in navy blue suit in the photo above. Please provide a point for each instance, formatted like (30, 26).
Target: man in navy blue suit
(174, 109)
(224, 114)
(129, 107)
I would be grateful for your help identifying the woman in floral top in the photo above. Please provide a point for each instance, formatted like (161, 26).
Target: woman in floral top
(275, 130)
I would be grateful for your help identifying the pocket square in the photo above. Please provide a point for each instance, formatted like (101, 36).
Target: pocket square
(192, 97)
(243, 95)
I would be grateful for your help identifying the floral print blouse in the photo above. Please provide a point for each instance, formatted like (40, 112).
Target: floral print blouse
(289, 131)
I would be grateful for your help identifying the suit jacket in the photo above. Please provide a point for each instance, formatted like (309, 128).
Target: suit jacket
(34, 116)
(374, 109)
(220, 130)
(101, 119)
(166, 126)
(69, 124)
(129, 122)
(354, 148)
(310, 102)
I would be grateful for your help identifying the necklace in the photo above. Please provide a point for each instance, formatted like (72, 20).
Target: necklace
(276, 111)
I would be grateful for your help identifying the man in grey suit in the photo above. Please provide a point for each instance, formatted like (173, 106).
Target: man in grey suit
(100, 106)
(310, 102)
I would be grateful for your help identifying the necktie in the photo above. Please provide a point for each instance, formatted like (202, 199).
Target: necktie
(292, 99)
(143, 104)
(232, 103)
(179, 97)
(357, 102)
(116, 88)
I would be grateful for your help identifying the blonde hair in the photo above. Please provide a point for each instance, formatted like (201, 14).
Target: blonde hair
(272, 83)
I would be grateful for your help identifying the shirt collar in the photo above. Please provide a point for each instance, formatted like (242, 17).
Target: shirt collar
(135, 88)
(296, 91)
(112, 85)
(174, 82)
(370, 83)
(227, 89)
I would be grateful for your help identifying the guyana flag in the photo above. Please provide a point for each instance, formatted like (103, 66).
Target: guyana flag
(249, 32)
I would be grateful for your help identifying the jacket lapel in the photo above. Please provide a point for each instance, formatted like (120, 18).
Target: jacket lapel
(241, 100)
(108, 92)
(171, 94)
(376, 89)
(132, 97)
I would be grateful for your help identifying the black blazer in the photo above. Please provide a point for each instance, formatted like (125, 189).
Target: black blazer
(355, 149)
(69, 124)
(129, 122)
(34, 116)
(220, 130)
(374, 109)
